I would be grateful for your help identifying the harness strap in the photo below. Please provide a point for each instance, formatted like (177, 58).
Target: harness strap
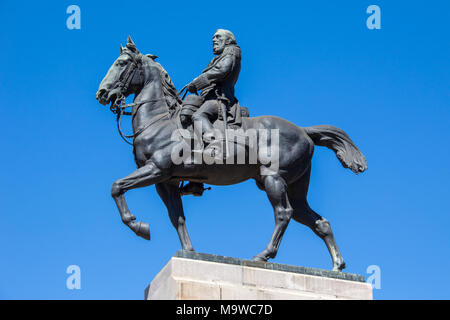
(119, 110)
(156, 119)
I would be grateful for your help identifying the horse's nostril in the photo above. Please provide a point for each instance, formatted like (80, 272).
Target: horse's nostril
(100, 93)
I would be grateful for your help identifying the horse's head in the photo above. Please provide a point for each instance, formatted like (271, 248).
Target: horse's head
(123, 77)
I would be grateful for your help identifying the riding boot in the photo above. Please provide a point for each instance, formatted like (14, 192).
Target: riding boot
(201, 125)
(194, 188)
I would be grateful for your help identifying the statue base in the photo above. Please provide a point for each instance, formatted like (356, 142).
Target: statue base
(199, 276)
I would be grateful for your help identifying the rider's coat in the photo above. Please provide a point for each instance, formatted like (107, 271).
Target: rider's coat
(220, 77)
(221, 73)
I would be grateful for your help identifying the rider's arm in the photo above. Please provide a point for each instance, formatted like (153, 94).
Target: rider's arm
(218, 72)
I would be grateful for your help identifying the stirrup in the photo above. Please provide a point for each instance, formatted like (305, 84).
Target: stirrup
(194, 188)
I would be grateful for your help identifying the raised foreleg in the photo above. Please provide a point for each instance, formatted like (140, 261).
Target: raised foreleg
(145, 176)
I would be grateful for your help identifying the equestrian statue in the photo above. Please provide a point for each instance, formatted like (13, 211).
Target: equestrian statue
(211, 139)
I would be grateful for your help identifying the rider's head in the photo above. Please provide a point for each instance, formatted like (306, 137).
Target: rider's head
(221, 39)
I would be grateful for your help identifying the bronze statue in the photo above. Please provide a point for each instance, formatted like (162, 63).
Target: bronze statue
(155, 115)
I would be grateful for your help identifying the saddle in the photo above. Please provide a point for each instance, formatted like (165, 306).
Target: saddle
(235, 113)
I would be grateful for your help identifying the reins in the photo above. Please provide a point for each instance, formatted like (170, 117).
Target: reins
(119, 106)
(119, 110)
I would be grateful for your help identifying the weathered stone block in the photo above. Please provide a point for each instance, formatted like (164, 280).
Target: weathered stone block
(199, 276)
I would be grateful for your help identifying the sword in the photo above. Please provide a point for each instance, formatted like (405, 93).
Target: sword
(223, 101)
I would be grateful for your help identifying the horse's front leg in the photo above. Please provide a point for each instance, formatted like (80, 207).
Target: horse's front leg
(170, 195)
(143, 177)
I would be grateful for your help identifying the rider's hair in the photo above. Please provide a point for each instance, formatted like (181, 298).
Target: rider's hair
(229, 35)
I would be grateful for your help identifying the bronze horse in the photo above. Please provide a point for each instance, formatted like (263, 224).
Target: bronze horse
(155, 116)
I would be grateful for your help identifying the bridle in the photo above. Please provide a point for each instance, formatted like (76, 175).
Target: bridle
(119, 105)
(125, 80)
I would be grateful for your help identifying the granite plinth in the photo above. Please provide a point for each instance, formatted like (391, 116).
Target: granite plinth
(199, 276)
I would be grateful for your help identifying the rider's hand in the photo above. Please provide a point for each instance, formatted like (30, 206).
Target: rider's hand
(191, 88)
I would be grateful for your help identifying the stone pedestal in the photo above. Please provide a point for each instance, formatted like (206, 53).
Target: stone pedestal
(199, 276)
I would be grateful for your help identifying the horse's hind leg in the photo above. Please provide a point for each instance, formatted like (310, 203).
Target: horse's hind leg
(321, 227)
(305, 215)
(170, 194)
(276, 190)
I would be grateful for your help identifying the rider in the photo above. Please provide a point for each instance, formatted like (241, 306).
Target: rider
(216, 81)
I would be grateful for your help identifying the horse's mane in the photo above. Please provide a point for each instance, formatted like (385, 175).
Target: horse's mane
(173, 100)
(170, 93)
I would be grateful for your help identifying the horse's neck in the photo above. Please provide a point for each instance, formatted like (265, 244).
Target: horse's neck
(154, 105)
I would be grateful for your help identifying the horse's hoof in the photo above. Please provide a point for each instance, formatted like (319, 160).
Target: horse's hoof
(259, 258)
(339, 267)
(143, 230)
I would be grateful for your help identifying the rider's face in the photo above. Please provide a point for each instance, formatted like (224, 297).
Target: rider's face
(219, 42)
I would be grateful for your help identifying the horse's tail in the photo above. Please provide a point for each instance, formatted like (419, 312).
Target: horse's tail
(338, 141)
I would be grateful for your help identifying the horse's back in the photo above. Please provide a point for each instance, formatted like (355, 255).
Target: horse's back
(287, 129)
(295, 146)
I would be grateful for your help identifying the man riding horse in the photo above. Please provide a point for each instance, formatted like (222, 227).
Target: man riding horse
(216, 83)
(154, 119)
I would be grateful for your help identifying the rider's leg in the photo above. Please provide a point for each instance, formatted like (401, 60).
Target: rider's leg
(202, 121)
(203, 118)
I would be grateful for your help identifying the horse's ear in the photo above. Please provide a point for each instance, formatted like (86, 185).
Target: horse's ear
(151, 56)
(130, 41)
(121, 49)
(131, 45)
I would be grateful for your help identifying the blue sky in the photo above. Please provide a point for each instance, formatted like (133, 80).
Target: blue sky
(312, 62)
